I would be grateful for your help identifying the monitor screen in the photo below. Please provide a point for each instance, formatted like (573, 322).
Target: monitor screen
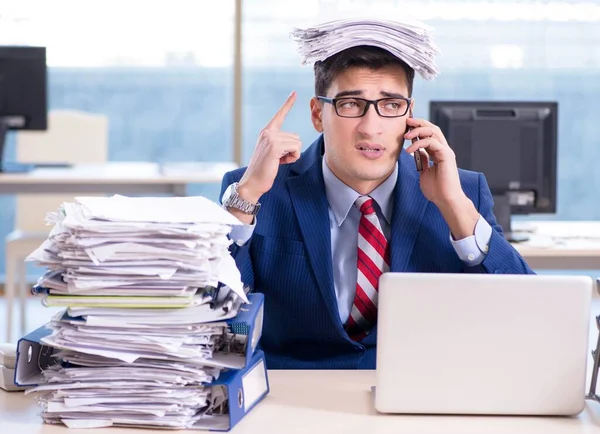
(514, 144)
(23, 94)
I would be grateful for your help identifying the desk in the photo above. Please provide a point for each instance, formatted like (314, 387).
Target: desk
(324, 402)
(564, 245)
(115, 178)
(334, 402)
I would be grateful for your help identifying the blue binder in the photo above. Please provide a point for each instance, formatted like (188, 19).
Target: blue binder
(244, 389)
(33, 356)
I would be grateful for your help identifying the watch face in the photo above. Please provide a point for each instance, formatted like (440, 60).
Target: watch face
(230, 199)
(227, 194)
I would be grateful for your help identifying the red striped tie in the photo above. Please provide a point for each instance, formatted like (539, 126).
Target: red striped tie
(373, 260)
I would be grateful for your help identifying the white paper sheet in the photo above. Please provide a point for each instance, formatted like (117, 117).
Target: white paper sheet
(392, 30)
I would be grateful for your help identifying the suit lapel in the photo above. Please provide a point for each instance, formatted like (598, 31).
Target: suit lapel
(409, 209)
(307, 193)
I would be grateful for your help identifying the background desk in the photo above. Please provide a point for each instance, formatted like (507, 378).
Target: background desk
(324, 402)
(115, 178)
(554, 244)
(563, 245)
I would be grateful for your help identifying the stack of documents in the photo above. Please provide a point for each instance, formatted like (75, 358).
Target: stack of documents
(406, 38)
(137, 247)
(155, 312)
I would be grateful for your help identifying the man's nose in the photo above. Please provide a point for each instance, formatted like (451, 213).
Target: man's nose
(370, 123)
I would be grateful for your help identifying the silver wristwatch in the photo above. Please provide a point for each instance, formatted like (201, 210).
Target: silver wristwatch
(231, 199)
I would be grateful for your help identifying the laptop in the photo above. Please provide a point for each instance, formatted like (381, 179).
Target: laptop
(482, 344)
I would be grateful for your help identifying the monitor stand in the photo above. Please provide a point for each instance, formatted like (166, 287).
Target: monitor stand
(9, 167)
(503, 217)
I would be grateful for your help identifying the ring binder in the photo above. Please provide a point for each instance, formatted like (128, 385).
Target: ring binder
(235, 348)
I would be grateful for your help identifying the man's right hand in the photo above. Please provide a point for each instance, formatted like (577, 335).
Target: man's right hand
(274, 147)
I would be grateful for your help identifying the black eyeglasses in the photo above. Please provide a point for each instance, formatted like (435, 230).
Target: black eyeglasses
(354, 107)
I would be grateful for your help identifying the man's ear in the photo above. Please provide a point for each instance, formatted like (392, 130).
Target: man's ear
(316, 113)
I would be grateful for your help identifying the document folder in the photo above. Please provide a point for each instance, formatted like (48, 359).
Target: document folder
(240, 390)
(245, 331)
(33, 357)
(232, 396)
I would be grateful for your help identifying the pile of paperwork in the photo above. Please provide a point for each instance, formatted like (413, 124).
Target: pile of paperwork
(152, 297)
(404, 37)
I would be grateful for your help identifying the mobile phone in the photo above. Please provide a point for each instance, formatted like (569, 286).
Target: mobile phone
(417, 153)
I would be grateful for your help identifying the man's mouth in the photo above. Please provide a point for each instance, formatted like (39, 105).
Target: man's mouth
(370, 148)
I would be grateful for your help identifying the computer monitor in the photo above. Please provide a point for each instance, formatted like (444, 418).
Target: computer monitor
(514, 144)
(23, 91)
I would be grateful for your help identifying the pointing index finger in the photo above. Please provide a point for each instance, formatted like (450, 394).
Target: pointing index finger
(277, 121)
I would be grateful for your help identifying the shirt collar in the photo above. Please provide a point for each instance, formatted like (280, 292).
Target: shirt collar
(341, 197)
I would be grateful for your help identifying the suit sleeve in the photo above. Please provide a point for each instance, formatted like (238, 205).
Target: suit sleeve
(241, 254)
(502, 257)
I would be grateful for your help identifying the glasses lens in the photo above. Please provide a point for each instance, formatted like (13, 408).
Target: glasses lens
(350, 107)
(392, 106)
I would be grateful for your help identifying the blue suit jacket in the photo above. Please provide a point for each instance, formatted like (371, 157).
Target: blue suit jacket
(288, 259)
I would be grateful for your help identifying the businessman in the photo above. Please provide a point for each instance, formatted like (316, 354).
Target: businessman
(321, 226)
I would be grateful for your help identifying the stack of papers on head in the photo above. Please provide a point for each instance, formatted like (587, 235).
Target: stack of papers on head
(145, 326)
(404, 37)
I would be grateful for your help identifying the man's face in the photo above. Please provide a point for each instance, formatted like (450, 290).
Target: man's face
(363, 151)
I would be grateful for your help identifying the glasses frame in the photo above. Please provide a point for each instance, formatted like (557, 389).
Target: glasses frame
(368, 103)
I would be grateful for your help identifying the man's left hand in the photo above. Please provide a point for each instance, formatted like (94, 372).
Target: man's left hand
(439, 181)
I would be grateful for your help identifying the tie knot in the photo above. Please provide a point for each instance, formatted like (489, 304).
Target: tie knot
(365, 205)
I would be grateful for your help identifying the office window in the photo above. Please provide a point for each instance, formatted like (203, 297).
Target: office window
(161, 71)
(491, 50)
(271, 68)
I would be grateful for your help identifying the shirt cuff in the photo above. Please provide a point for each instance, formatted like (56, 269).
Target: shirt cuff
(473, 249)
(241, 234)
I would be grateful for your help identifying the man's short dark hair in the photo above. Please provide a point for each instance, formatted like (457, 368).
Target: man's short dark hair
(362, 56)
